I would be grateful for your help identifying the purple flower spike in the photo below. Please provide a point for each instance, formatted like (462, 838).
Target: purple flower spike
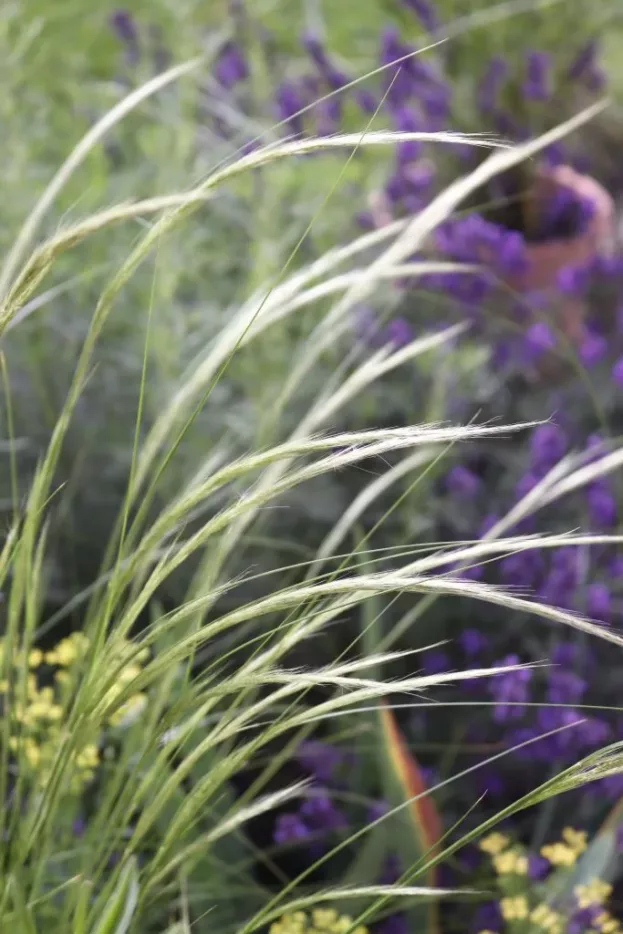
(393, 924)
(537, 84)
(367, 101)
(472, 642)
(319, 759)
(124, 26)
(230, 67)
(548, 444)
(390, 871)
(572, 280)
(564, 687)
(435, 662)
(510, 689)
(315, 49)
(376, 811)
(462, 482)
(490, 84)
(601, 505)
(320, 814)
(538, 339)
(598, 602)
(617, 373)
(538, 867)
(425, 12)
(289, 828)
(398, 333)
(584, 61)
(288, 103)
(593, 349)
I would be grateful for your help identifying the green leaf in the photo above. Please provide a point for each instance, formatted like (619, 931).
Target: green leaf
(25, 920)
(119, 910)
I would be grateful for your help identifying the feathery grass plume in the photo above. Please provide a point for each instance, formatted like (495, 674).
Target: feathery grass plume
(121, 746)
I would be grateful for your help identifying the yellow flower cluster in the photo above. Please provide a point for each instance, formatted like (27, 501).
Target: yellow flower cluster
(494, 843)
(510, 861)
(594, 892)
(547, 919)
(606, 924)
(321, 921)
(566, 851)
(37, 716)
(514, 908)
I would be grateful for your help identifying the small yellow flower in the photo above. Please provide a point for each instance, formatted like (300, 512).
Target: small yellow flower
(322, 921)
(559, 854)
(576, 839)
(35, 657)
(594, 892)
(510, 861)
(514, 908)
(547, 919)
(494, 843)
(605, 923)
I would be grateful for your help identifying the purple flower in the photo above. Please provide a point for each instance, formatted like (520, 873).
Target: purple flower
(598, 602)
(366, 101)
(320, 814)
(328, 115)
(319, 759)
(124, 25)
(564, 687)
(393, 924)
(525, 485)
(462, 482)
(425, 12)
(397, 77)
(288, 103)
(398, 332)
(548, 443)
(593, 348)
(617, 373)
(521, 569)
(487, 524)
(538, 867)
(406, 121)
(489, 86)
(510, 690)
(488, 917)
(584, 920)
(289, 828)
(376, 810)
(230, 67)
(572, 280)
(472, 642)
(314, 48)
(601, 505)
(536, 87)
(390, 870)
(435, 662)
(538, 339)
(584, 61)
(565, 654)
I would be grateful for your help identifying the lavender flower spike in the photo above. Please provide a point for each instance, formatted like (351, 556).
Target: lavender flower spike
(425, 12)
(124, 26)
(489, 86)
(230, 67)
(537, 84)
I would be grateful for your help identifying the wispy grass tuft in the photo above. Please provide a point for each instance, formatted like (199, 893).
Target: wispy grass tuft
(121, 743)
